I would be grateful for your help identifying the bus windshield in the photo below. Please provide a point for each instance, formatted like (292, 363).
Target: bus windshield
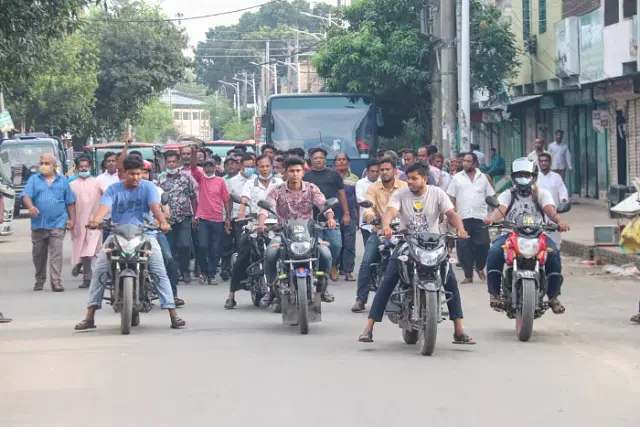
(221, 149)
(147, 153)
(27, 154)
(337, 123)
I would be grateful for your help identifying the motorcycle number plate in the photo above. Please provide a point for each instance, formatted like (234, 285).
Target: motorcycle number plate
(298, 229)
(526, 274)
(302, 272)
(527, 220)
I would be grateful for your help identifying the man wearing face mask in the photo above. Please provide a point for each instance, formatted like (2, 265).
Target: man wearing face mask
(236, 186)
(213, 199)
(85, 243)
(255, 189)
(51, 204)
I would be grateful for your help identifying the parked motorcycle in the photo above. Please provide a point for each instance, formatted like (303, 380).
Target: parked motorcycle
(524, 281)
(416, 303)
(300, 284)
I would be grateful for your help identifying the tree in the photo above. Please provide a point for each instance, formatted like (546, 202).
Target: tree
(26, 31)
(234, 131)
(383, 52)
(140, 56)
(154, 123)
(58, 95)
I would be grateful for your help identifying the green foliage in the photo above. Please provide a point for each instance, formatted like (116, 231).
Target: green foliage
(234, 131)
(27, 28)
(412, 133)
(58, 96)
(138, 61)
(154, 123)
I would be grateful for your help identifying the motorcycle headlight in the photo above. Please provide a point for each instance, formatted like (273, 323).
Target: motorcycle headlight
(300, 248)
(129, 247)
(528, 247)
(428, 258)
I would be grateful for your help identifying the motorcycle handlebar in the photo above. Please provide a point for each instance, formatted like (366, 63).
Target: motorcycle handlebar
(512, 226)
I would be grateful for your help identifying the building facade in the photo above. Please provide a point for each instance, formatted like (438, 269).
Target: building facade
(190, 116)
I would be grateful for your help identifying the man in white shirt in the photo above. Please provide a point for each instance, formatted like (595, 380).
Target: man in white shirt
(479, 154)
(373, 173)
(538, 149)
(236, 186)
(468, 191)
(110, 176)
(553, 183)
(560, 156)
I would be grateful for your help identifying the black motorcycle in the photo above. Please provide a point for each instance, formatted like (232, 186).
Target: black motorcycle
(386, 248)
(300, 284)
(416, 303)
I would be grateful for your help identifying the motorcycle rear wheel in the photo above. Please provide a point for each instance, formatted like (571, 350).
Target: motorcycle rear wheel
(126, 314)
(303, 304)
(430, 311)
(525, 312)
(256, 295)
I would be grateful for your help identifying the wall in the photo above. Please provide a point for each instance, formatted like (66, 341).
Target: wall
(190, 126)
(617, 45)
(578, 7)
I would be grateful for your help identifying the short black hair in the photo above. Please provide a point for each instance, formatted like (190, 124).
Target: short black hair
(472, 154)
(83, 158)
(387, 160)
(262, 156)
(240, 147)
(315, 150)
(432, 149)
(279, 159)
(171, 153)
(132, 162)
(547, 155)
(230, 152)
(230, 159)
(207, 150)
(298, 151)
(109, 154)
(248, 156)
(267, 147)
(409, 151)
(135, 153)
(560, 131)
(420, 167)
(373, 162)
(380, 153)
(293, 161)
(217, 158)
(494, 149)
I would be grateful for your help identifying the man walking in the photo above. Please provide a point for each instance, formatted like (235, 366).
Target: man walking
(560, 156)
(51, 204)
(108, 177)
(553, 183)
(468, 191)
(348, 232)
(85, 243)
(362, 186)
(538, 149)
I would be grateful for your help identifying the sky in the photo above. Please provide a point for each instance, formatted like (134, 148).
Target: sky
(197, 28)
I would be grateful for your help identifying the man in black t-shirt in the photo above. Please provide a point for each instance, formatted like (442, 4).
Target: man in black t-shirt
(331, 184)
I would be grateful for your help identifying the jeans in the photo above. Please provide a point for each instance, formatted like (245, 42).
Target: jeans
(156, 270)
(495, 263)
(365, 235)
(179, 238)
(272, 255)
(239, 272)
(334, 238)
(371, 255)
(473, 251)
(348, 252)
(169, 262)
(210, 235)
(391, 278)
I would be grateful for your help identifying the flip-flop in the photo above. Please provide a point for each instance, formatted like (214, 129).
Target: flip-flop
(463, 339)
(366, 336)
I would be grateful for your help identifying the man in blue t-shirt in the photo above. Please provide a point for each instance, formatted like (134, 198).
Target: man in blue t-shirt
(129, 201)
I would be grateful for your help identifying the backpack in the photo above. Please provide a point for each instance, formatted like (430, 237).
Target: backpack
(534, 195)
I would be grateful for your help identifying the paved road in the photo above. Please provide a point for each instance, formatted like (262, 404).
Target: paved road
(244, 368)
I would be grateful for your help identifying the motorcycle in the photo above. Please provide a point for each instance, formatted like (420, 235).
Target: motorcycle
(524, 281)
(386, 248)
(416, 303)
(300, 284)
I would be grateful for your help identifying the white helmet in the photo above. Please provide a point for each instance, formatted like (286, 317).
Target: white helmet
(524, 184)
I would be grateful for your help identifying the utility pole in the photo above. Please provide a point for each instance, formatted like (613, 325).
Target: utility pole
(297, 62)
(465, 80)
(275, 78)
(246, 89)
(267, 60)
(255, 100)
(3, 134)
(449, 76)
(436, 75)
(289, 76)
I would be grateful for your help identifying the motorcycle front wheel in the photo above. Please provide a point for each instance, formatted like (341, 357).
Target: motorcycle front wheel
(126, 313)
(430, 314)
(526, 309)
(257, 291)
(303, 304)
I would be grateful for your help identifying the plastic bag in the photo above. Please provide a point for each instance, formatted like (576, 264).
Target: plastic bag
(630, 237)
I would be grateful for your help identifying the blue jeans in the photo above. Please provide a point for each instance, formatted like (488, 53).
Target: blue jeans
(348, 252)
(156, 270)
(371, 255)
(365, 235)
(169, 262)
(210, 236)
(495, 263)
(334, 238)
(271, 256)
(391, 278)
(179, 238)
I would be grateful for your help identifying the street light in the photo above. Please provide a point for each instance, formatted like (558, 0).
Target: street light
(295, 67)
(236, 86)
(253, 87)
(324, 18)
(317, 36)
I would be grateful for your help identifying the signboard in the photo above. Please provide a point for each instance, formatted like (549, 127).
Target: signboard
(591, 47)
(6, 124)
(567, 47)
(257, 130)
(600, 119)
(633, 48)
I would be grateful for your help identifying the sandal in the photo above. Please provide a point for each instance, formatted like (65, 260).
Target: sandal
(635, 318)
(481, 275)
(177, 323)
(57, 288)
(495, 302)
(86, 324)
(366, 336)
(463, 339)
(556, 306)
(178, 301)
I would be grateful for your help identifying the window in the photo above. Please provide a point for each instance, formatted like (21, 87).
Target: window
(185, 115)
(176, 115)
(542, 16)
(526, 21)
(629, 8)
(611, 12)
(195, 115)
(204, 115)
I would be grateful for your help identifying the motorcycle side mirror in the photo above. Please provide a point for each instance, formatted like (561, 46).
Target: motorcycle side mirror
(365, 204)
(164, 199)
(266, 206)
(331, 203)
(563, 208)
(492, 201)
(236, 199)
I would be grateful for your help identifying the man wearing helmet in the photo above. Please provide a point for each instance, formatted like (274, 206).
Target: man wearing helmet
(525, 199)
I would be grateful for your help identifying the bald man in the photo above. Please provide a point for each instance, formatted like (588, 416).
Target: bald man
(51, 204)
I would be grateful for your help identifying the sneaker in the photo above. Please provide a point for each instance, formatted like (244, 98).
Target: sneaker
(230, 303)
(358, 307)
(85, 284)
(38, 286)
(266, 300)
(212, 281)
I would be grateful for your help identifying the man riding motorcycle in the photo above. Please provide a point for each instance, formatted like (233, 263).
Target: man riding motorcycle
(525, 199)
(293, 199)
